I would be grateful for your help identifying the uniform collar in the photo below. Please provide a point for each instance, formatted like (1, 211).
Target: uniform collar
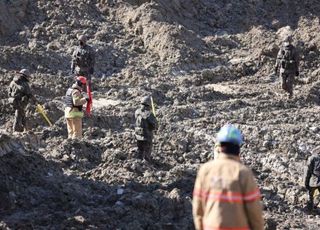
(227, 156)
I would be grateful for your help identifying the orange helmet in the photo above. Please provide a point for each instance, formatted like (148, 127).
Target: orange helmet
(82, 79)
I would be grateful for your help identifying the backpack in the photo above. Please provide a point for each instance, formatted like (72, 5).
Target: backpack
(140, 127)
(15, 91)
(288, 60)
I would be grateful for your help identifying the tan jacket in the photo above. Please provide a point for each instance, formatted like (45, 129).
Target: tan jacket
(78, 100)
(226, 196)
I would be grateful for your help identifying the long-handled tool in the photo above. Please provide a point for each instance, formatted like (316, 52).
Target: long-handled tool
(40, 110)
(153, 107)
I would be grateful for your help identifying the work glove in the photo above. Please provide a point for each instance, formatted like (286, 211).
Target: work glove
(86, 96)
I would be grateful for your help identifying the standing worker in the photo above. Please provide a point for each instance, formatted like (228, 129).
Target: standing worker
(225, 194)
(19, 95)
(288, 64)
(146, 123)
(83, 59)
(74, 101)
(312, 178)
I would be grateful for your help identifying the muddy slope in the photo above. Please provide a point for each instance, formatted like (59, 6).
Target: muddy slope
(204, 62)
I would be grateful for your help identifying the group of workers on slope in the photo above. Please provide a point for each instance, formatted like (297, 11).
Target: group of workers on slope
(225, 194)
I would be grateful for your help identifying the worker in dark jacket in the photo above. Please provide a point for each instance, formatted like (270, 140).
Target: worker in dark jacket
(288, 65)
(83, 59)
(19, 96)
(146, 123)
(312, 179)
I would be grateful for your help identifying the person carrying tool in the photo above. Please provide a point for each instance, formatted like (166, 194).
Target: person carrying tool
(288, 64)
(19, 95)
(74, 100)
(312, 178)
(225, 194)
(146, 123)
(83, 59)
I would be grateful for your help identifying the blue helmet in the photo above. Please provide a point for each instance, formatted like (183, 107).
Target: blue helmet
(229, 133)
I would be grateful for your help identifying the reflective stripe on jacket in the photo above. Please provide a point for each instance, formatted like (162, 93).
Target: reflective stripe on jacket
(78, 101)
(226, 196)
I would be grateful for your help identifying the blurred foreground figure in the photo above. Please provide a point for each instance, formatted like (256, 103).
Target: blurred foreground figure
(225, 194)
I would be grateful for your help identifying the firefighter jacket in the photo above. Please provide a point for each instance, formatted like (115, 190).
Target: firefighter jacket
(74, 102)
(226, 196)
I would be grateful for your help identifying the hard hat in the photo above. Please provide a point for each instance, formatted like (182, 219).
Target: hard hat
(230, 134)
(82, 38)
(25, 72)
(146, 101)
(82, 79)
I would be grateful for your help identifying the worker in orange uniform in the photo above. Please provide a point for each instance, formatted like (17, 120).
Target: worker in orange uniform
(225, 194)
(74, 100)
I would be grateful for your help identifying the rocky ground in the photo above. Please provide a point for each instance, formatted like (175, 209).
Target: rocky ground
(204, 62)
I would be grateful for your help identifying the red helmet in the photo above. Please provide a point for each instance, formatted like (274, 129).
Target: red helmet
(82, 79)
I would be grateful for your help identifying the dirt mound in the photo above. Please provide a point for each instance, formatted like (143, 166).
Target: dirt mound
(206, 63)
(12, 15)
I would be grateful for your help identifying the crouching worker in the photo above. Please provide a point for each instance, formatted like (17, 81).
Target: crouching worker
(74, 101)
(225, 194)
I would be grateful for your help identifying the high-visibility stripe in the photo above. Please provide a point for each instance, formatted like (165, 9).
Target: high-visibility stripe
(228, 196)
(252, 196)
(224, 228)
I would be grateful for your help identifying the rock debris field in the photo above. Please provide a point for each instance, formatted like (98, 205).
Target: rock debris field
(206, 63)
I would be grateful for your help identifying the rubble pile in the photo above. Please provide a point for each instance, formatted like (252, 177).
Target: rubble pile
(206, 63)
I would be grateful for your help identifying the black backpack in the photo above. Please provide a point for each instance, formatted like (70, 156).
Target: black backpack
(141, 125)
(288, 59)
(83, 57)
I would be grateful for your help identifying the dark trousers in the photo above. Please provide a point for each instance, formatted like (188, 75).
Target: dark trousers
(19, 123)
(287, 82)
(144, 149)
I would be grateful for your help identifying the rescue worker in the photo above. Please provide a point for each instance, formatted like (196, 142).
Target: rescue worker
(225, 194)
(83, 59)
(74, 100)
(19, 96)
(288, 65)
(146, 123)
(312, 178)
